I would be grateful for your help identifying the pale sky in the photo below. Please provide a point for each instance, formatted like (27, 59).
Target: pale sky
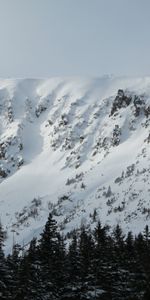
(44, 38)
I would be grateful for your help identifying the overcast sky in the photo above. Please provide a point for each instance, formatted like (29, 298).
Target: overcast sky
(42, 38)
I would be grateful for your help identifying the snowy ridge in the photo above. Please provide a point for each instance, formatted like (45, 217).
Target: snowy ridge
(76, 147)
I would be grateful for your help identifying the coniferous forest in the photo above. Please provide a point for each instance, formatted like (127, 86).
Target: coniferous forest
(99, 264)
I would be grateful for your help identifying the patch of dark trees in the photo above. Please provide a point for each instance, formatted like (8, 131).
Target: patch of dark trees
(97, 264)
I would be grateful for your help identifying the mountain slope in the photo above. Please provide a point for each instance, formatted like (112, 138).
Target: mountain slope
(76, 147)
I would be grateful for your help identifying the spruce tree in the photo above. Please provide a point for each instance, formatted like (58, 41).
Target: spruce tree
(5, 277)
(48, 246)
(13, 262)
(73, 261)
(86, 249)
(102, 270)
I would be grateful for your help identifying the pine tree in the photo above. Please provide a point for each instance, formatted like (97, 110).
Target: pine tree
(119, 285)
(146, 235)
(118, 240)
(60, 266)
(36, 290)
(13, 262)
(86, 249)
(4, 271)
(48, 246)
(102, 270)
(72, 288)
(140, 278)
(146, 257)
(73, 260)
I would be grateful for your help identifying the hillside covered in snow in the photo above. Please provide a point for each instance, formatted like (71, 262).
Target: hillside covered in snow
(78, 148)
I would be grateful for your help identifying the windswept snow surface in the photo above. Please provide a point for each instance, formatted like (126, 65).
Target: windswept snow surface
(63, 150)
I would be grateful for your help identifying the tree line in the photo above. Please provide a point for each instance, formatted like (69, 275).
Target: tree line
(95, 264)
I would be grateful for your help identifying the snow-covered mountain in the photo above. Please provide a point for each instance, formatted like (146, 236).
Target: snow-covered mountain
(75, 147)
